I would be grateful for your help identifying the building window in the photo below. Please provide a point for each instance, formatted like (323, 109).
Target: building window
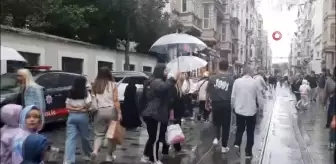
(31, 58)
(147, 69)
(332, 32)
(223, 32)
(131, 67)
(225, 8)
(105, 64)
(184, 5)
(206, 16)
(73, 65)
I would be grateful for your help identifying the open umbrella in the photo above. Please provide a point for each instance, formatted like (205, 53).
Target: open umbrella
(186, 64)
(162, 44)
(11, 54)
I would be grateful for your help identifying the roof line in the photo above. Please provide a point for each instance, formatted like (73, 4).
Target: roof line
(27, 32)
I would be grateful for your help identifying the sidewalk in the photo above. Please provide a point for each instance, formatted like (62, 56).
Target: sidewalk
(316, 136)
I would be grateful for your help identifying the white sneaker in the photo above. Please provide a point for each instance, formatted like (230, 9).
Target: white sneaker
(110, 158)
(93, 156)
(144, 159)
(225, 149)
(157, 162)
(215, 141)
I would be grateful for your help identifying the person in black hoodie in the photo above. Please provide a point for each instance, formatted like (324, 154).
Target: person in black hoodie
(156, 110)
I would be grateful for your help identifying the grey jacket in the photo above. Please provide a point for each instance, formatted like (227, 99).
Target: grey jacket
(157, 99)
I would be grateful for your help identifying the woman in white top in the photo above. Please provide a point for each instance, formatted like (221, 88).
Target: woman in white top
(106, 98)
(187, 89)
(77, 103)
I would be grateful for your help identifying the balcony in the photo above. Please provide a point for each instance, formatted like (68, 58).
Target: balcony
(210, 36)
(190, 17)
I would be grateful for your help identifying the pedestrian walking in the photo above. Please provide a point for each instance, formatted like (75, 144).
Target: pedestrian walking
(106, 100)
(131, 116)
(202, 86)
(245, 96)
(78, 103)
(330, 96)
(176, 114)
(10, 115)
(320, 90)
(304, 102)
(30, 92)
(313, 85)
(219, 92)
(333, 125)
(262, 87)
(156, 111)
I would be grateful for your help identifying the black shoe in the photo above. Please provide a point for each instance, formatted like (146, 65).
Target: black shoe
(237, 149)
(248, 155)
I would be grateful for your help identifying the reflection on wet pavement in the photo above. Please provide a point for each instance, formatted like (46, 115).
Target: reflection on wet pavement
(285, 142)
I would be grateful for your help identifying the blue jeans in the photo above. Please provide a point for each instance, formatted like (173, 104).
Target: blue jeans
(331, 113)
(77, 124)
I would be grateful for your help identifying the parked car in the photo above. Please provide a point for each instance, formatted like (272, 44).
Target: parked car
(122, 78)
(56, 87)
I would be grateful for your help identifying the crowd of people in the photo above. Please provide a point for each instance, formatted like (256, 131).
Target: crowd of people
(319, 89)
(167, 98)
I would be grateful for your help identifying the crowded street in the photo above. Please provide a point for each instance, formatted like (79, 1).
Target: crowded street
(168, 82)
(280, 138)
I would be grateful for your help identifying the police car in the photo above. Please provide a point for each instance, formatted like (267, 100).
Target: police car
(56, 87)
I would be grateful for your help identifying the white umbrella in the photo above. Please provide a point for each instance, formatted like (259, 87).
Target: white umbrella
(11, 54)
(186, 64)
(161, 45)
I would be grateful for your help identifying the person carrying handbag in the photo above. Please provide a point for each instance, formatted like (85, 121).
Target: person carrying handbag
(107, 105)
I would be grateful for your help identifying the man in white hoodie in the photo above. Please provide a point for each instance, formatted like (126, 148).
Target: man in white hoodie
(245, 96)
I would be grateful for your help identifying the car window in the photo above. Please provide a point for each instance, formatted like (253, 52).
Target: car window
(138, 79)
(48, 80)
(66, 80)
(126, 80)
(8, 81)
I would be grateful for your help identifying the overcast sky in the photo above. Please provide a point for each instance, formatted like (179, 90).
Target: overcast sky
(283, 21)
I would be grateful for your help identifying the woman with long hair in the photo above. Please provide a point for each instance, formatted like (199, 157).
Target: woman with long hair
(30, 92)
(105, 94)
(330, 96)
(78, 103)
(177, 110)
(156, 111)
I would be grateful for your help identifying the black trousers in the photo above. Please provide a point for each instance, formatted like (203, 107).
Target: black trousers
(247, 123)
(187, 99)
(177, 147)
(203, 112)
(156, 134)
(221, 113)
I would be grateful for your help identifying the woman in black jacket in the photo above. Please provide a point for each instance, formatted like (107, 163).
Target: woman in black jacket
(156, 110)
(177, 110)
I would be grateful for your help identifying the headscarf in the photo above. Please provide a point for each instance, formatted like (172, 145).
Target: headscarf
(33, 148)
